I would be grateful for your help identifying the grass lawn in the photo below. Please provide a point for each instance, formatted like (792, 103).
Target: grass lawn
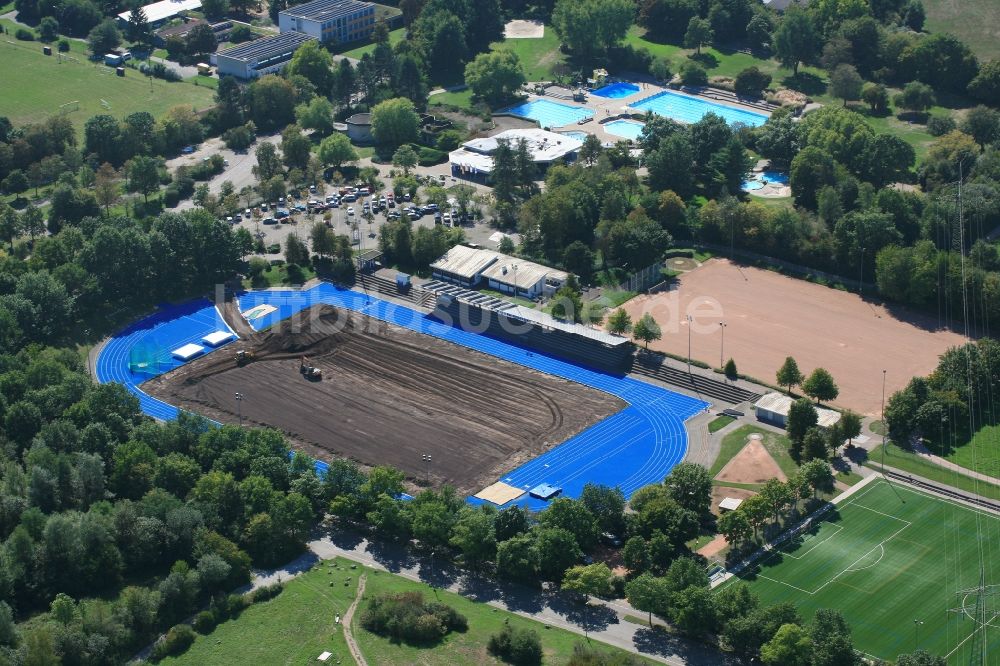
(541, 58)
(204, 81)
(395, 36)
(850, 478)
(912, 463)
(462, 99)
(886, 557)
(277, 276)
(719, 422)
(981, 454)
(613, 298)
(88, 83)
(298, 624)
(774, 202)
(975, 22)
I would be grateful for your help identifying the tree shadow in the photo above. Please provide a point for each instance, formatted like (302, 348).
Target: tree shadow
(579, 611)
(390, 555)
(479, 588)
(517, 597)
(804, 82)
(435, 572)
(658, 641)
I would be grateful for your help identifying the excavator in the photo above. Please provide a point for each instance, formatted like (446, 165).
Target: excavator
(243, 357)
(310, 372)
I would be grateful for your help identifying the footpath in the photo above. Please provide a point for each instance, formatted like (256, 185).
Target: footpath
(601, 620)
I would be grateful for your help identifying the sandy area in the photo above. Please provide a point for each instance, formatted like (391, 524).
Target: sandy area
(720, 493)
(520, 29)
(753, 464)
(389, 396)
(769, 316)
(713, 547)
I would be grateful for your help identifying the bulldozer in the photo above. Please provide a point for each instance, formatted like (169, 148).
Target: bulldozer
(310, 372)
(243, 357)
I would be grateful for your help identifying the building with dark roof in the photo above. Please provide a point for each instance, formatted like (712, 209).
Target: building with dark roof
(259, 57)
(340, 21)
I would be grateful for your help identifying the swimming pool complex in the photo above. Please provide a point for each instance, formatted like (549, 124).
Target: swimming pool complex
(550, 114)
(616, 90)
(628, 129)
(579, 136)
(692, 109)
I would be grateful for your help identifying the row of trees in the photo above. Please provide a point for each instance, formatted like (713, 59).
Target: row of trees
(93, 494)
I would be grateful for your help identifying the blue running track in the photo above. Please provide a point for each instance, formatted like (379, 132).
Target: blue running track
(157, 335)
(637, 446)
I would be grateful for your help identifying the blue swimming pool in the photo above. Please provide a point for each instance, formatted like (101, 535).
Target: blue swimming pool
(692, 109)
(550, 114)
(759, 180)
(579, 136)
(616, 90)
(624, 128)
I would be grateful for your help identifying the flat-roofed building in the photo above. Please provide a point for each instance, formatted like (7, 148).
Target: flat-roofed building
(773, 408)
(519, 277)
(340, 21)
(474, 159)
(259, 57)
(463, 265)
(159, 13)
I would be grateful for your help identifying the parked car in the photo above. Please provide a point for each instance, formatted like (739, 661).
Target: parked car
(269, 220)
(350, 210)
(247, 214)
(187, 150)
(263, 208)
(407, 197)
(273, 248)
(331, 198)
(349, 197)
(312, 188)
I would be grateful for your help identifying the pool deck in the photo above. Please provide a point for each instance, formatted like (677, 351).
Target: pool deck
(606, 108)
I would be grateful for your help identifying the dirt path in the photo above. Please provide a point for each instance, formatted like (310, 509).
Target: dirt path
(352, 645)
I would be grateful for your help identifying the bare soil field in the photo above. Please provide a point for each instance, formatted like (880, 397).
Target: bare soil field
(770, 316)
(388, 396)
(720, 493)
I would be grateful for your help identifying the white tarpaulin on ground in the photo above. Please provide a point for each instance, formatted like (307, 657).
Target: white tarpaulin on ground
(188, 351)
(217, 338)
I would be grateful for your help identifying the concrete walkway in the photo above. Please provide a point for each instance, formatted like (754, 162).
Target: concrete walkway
(600, 620)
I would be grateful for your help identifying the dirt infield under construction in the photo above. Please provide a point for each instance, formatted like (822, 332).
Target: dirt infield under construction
(388, 396)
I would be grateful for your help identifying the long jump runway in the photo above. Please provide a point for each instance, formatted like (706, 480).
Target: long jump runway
(637, 446)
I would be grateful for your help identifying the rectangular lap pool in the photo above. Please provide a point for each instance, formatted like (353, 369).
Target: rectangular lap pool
(692, 109)
(616, 90)
(624, 128)
(550, 114)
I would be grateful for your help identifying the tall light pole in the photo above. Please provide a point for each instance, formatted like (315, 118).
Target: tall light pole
(884, 428)
(722, 345)
(689, 320)
(427, 467)
(861, 272)
(239, 407)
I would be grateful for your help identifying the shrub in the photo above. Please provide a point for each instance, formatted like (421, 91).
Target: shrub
(207, 168)
(516, 646)
(751, 81)
(295, 274)
(177, 640)
(24, 35)
(940, 125)
(267, 592)
(204, 622)
(160, 71)
(63, 45)
(406, 617)
(241, 33)
(171, 196)
(235, 603)
(239, 138)
(693, 74)
(449, 140)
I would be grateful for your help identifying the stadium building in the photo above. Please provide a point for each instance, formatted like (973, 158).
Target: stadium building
(340, 21)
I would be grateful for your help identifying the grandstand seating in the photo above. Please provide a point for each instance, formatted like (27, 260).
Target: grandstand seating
(653, 365)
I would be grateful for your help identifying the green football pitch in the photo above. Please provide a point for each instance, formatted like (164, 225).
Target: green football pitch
(36, 86)
(893, 560)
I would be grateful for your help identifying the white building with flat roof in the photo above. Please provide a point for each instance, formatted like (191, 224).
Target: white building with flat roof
(474, 159)
(161, 12)
(773, 408)
(471, 267)
(266, 55)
